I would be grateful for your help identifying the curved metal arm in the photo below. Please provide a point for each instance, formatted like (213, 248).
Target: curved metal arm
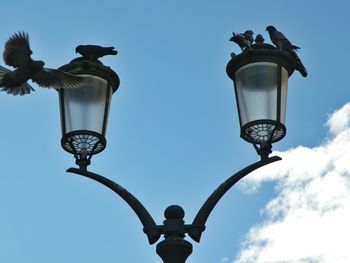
(149, 226)
(198, 225)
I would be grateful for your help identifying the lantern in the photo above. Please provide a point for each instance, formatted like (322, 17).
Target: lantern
(260, 76)
(84, 110)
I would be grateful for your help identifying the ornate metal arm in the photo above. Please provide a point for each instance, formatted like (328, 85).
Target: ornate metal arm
(198, 225)
(174, 248)
(149, 226)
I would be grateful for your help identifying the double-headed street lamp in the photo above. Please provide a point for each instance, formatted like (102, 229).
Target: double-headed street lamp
(260, 76)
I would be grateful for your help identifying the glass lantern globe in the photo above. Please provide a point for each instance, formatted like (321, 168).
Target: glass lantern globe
(84, 110)
(260, 77)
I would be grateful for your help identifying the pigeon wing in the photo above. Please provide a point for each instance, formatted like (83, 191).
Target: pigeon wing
(17, 50)
(55, 78)
(280, 37)
(22, 89)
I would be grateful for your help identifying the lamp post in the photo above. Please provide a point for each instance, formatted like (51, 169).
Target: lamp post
(260, 75)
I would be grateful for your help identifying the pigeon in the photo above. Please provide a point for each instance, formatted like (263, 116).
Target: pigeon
(17, 54)
(243, 40)
(282, 43)
(259, 39)
(280, 40)
(93, 52)
(248, 35)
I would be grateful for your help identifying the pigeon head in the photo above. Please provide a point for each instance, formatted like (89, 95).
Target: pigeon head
(270, 29)
(78, 48)
(40, 63)
(250, 32)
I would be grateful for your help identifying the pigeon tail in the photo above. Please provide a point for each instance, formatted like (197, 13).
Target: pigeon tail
(23, 89)
(6, 78)
(300, 67)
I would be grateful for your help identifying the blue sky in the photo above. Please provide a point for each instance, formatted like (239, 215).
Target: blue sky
(173, 132)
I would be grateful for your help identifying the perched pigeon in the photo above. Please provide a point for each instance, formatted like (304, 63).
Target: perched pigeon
(93, 52)
(248, 35)
(259, 39)
(17, 54)
(243, 40)
(282, 42)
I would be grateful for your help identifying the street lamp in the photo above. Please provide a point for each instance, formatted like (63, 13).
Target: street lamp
(84, 110)
(260, 75)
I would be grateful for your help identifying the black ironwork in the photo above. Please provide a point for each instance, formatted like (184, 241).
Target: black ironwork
(174, 248)
(198, 224)
(263, 131)
(149, 226)
(83, 144)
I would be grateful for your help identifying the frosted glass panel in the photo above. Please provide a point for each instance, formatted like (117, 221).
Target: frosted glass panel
(84, 106)
(256, 88)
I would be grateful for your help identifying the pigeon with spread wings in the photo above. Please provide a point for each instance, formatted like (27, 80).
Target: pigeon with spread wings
(17, 54)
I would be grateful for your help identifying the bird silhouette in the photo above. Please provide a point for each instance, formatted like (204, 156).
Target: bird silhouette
(280, 40)
(93, 52)
(259, 39)
(243, 40)
(248, 35)
(17, 54)
(282, 43)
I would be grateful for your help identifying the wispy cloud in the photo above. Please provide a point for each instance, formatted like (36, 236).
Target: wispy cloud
(309, 220)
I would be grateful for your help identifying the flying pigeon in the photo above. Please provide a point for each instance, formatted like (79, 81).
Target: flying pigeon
(243, 40)
(282, 43)
(93, 52)
(17, 54)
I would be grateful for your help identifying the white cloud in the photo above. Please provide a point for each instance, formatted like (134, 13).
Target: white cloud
(309, 219)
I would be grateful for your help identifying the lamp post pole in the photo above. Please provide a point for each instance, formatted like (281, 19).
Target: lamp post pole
(260, 75)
